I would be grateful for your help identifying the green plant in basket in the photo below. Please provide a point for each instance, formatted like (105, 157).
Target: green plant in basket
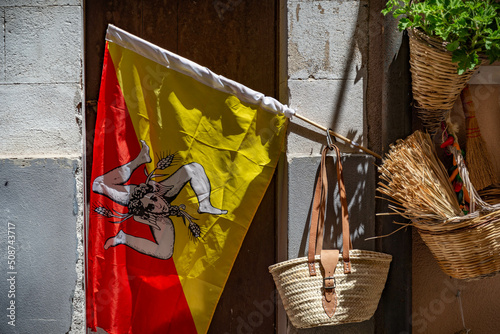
(470, 28)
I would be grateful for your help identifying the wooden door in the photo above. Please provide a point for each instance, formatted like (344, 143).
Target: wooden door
(234, 38)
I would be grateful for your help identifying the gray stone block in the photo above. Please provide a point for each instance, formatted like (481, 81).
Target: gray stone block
(327, 39)
(336, 104)
(39, 119)
(19, 3)
(2, 48)
(38, 206)
(359, 177)
(43, 44)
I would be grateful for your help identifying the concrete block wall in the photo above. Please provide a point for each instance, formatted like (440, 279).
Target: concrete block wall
(41, 204)
(327, 60)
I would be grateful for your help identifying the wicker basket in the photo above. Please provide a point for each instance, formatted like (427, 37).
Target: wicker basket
(357, 276)
(466, 247)
(358, 292)
(435, 82)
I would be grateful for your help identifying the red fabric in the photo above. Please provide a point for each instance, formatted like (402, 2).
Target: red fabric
(127, 292)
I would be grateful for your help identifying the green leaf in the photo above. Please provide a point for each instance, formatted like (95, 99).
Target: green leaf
(473, 60)
(452, 46)
(400, 11)
(458, 55)
(404, 23)
(488, 44)
(495, 34)
(469, 26)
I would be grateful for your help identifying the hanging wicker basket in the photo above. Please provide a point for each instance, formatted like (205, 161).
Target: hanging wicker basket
(435, 82)
(466, 247)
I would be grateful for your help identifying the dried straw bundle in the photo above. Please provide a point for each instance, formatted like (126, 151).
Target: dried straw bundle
(417, 182)
(480, 168)
(465, 246)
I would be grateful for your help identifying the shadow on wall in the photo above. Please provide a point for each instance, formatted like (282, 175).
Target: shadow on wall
(358, 41)
(395, 305)
(359, 173)
(359, 181)
(398, 119)
(436, 306)
(358, 176)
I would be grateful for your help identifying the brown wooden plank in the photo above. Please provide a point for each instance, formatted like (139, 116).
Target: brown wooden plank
(125, 14)
(237, 41)
(153, 20)
(159, 23)
(247, 304)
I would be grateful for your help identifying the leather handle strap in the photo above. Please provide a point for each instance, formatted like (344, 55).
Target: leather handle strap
(346, 236)
(318, 213)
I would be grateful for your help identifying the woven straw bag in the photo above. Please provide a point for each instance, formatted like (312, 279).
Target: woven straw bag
(466, 247)
(328, 287)
(435, 82)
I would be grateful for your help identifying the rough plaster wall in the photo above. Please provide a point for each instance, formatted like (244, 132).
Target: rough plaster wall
(40, 155)
(360, 190)
(436, 309)
(327, 51)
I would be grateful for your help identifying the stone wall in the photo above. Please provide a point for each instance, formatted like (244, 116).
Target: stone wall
(327, 59)
(345, 70)
(41, 197)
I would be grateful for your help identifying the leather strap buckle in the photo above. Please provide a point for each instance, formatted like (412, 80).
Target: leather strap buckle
(329, 287)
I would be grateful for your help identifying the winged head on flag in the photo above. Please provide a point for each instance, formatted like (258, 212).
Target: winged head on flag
(182, 158)
(149, 202)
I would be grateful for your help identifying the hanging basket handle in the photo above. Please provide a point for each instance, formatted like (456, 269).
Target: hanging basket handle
(318, 213)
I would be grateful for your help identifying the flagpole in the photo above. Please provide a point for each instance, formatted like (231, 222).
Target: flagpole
(319, 126)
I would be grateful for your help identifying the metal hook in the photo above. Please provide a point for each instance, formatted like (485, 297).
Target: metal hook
(329, 140)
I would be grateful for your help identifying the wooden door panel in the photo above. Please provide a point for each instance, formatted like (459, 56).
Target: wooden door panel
(238, 42)
(236, 39)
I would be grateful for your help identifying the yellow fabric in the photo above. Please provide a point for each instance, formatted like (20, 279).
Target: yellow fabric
(238, 145)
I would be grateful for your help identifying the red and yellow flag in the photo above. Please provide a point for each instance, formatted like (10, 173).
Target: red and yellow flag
(182, 159)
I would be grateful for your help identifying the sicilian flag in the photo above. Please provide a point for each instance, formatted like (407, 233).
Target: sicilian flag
(182, 159)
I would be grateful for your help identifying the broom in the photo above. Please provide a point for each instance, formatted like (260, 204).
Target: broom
(481, 170)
